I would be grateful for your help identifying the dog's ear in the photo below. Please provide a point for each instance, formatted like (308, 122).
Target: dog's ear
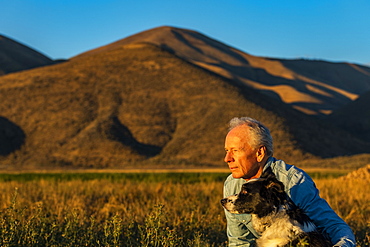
(276, 191)
(267, 173)
(275, 185)
(269, 176)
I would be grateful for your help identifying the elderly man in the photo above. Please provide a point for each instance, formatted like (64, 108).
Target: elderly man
(249, 151)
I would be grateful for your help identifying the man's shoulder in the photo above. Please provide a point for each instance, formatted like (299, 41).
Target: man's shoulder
(286, 173)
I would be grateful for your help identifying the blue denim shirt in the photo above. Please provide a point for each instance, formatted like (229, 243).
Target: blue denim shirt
(302, 190)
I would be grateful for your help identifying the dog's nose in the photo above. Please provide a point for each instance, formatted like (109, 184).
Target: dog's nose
(223, 201)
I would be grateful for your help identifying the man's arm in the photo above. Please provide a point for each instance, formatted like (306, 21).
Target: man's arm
(305, 194)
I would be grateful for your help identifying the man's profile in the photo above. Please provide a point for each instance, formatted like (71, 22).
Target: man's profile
(249, 152)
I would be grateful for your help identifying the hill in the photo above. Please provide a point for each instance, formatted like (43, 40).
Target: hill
(313, 87)
(139, 105)
(16, 57)
(362, 173)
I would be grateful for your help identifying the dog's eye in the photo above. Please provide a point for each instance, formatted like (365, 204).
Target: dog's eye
(243, 192)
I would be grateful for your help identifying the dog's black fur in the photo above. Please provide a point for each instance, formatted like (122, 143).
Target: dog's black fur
(274, 216)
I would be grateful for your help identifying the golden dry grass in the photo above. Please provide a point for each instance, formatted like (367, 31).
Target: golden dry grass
(189, 209)
(131, 209)
(351, 200)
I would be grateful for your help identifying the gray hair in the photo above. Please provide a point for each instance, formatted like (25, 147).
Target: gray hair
(260, 134)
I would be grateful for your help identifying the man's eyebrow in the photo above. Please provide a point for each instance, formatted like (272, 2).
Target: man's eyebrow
(232, 148)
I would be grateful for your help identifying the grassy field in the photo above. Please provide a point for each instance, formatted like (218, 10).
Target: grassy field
(159, 208)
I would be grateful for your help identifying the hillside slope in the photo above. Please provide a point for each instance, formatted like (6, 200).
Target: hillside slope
(313, 87)
(16, 57)
(137, 104)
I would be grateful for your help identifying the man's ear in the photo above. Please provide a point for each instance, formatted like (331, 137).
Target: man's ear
(261, 153)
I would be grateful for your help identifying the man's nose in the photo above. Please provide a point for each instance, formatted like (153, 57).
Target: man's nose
(228, 157)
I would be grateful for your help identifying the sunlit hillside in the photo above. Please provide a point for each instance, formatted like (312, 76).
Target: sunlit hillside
(137, 104)
(313, 87)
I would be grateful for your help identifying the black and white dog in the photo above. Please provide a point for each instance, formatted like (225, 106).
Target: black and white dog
(274, 216)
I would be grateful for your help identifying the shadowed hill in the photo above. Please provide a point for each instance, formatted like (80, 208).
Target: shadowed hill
(11, 137)
(313, 87)
(138, 104)
(355, 116)
(16, 57)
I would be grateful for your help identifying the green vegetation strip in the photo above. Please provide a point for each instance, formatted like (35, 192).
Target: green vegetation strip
(147, 177)
(174, 177)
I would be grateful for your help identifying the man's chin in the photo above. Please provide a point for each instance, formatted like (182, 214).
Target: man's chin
(236, 174)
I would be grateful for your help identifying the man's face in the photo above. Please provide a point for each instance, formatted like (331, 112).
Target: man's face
(240, 156)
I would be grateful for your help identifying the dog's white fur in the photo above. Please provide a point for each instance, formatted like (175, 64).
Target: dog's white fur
(278, 229)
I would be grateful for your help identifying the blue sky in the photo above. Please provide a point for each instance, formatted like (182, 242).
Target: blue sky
(331, 30)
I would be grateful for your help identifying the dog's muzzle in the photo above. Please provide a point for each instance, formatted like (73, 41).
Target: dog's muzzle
(228, 203)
